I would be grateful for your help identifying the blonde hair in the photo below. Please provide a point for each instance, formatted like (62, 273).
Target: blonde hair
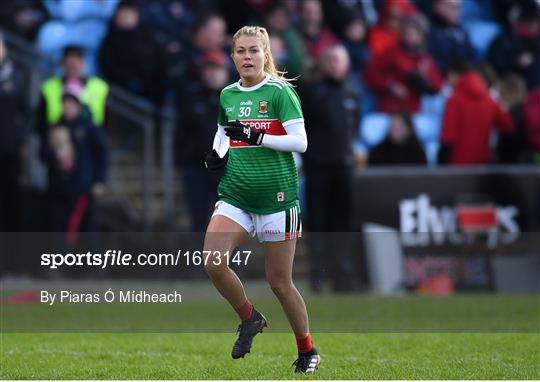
(262, 34)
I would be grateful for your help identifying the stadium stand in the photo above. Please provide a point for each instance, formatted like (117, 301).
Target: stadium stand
(86, 23)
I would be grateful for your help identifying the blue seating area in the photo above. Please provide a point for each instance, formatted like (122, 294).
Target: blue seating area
(76, 10)
(472, 10)
(481, 34)
(82, 23)
(427, 127)
(55, 35)
(374, 128)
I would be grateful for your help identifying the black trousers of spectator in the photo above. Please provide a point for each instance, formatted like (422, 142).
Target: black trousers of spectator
(69, 212)
(329, 202)
(9, 192)
(200, 187)
(70, 216)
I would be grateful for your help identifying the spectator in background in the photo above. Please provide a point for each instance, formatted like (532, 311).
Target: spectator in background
(171, 22)
(197, 116)
(506, 11)
(130, 57)
(447, 39)
(403, 74)
(331, 111)
(354, 37)
(278, 23)
(316, 36)
(337, 12)
(76, 155)
(517, 48)
(243, 12)
(531, 118)
(353, 34)
(387, 33)
(94, 95)
(169, 19)
(400, 147)
(469, 118)
(279, 51)
(209, 36)
(14, 110)
(23, 17)
(513, 148)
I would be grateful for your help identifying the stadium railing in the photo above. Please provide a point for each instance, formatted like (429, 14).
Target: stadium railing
(140, 113)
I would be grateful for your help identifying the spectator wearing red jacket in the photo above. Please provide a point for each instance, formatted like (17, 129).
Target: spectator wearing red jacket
(469, 118)
(315, 35)
(387, 33)
(400, 76)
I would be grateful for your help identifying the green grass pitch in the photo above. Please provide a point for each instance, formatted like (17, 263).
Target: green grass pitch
(358, 337)
(206, 356)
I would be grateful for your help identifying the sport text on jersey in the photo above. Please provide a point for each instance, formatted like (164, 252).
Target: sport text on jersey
(270, 126)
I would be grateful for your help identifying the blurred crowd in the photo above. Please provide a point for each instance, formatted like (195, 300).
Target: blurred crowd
(387, 82)
(402, 58)
(382, 82)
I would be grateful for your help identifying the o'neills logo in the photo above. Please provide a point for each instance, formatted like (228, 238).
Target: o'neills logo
(263, 107)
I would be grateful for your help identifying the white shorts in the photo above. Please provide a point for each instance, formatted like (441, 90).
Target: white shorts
(279, 226)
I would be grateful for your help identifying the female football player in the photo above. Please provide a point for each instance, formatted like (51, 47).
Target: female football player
(260, 125)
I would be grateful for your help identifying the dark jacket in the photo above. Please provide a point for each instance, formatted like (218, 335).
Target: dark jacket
(389, 153)
(513, 148)
(197, 116)
(13, 108)
(359, 54)
(447, 42)
(169, 19)
(331, 117)
(469, 118)
(133, 60)
(91, 159)
(504, 53)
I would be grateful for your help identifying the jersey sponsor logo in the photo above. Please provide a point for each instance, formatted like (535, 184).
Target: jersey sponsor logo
(263, 107)
(229, 109)
(270, 126)
(280, 196)
(246, 103)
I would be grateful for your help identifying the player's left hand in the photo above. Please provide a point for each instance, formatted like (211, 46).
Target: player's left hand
(238, 131)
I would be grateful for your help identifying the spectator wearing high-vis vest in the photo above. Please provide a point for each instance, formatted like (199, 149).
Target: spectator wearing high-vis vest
(76, 155)
(94, 95)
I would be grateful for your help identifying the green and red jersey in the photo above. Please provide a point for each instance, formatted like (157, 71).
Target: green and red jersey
(258, 179)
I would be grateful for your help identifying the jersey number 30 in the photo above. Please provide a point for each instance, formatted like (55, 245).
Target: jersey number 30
(245, 111)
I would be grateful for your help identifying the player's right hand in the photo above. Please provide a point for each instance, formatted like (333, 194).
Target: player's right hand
(214, 162)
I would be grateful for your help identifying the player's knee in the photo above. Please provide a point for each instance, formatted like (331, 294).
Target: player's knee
(214, 262)
(281, 286)
(212, 269)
